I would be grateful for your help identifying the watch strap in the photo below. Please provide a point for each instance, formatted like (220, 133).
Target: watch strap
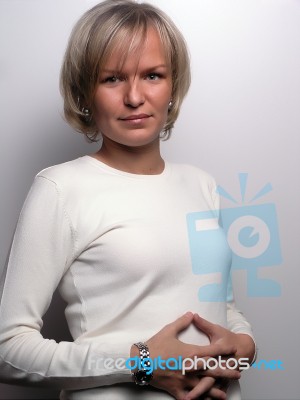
(141, 377)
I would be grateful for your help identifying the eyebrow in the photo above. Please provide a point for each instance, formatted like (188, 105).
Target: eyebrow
(104, 70)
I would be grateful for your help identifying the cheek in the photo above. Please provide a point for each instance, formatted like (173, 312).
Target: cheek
(166, 94)
(105, 101)
(161, 97)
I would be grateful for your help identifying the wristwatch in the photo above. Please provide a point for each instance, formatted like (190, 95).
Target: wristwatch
(143, 375)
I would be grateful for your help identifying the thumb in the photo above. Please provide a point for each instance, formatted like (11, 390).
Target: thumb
(181, 323)
(204, 325)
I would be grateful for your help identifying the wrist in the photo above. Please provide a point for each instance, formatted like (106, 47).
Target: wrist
(134, 351)
(143, 373)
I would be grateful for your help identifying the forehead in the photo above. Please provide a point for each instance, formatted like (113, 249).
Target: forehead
(138, 48)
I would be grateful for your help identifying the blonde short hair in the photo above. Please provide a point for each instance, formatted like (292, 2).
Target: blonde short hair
(111, 25)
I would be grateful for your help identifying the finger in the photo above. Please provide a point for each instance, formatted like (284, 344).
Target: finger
(217, 393)
(204, 325)
(180, 323)
(191, 381)
(197, 358)
(215, 350)
(184, 388)
(204, 385)
(221, 373)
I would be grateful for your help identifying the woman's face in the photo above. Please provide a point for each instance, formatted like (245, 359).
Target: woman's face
(131, 105)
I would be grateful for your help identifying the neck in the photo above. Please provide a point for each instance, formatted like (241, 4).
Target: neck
(141, 160)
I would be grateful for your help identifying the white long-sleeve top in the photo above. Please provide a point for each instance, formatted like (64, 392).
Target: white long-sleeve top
(118, 247)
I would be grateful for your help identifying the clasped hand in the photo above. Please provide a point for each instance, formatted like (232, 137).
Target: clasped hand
(197, 382)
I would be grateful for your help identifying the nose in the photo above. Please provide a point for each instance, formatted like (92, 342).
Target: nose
(134, 96)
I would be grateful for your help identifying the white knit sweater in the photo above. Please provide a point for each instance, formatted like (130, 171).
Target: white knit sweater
(117, 246)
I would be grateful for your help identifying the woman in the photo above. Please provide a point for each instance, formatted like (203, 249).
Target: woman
(109, 230)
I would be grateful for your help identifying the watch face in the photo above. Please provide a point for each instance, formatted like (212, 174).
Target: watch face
(142, 378)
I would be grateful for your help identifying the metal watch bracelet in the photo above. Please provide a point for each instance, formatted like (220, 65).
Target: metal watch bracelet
(142, 376)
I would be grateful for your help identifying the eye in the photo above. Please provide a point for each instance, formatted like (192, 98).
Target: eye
(153, 76)
(111, 79)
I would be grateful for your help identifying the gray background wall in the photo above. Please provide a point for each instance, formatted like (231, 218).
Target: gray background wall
(241, 115)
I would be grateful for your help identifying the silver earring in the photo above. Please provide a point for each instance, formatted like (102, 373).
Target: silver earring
(86, 114)
(170, 105)
(85, 111)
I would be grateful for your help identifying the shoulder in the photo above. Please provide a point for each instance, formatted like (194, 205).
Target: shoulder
(194, 173)
(69, 180)
(200, 181)
(51, 187)
(62, 173)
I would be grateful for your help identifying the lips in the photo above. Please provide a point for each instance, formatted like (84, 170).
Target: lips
(135, 117)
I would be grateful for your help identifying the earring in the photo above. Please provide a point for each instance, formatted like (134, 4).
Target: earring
(86, 114)
(170, 105)
(85, 111)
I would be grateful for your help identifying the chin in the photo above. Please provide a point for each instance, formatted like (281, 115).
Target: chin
(139, 141)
